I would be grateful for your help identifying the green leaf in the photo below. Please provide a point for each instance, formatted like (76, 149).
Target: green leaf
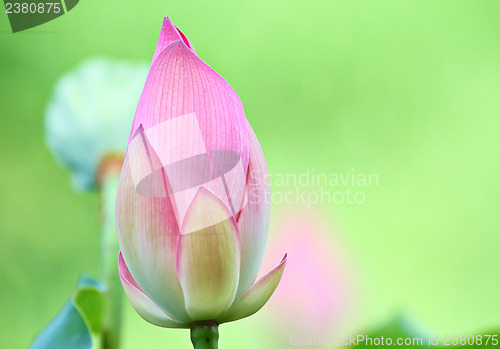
(407, 327)
(402, 326)
(89, 300)
(77, 322)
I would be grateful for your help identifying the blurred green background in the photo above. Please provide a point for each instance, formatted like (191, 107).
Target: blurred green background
(408, 90)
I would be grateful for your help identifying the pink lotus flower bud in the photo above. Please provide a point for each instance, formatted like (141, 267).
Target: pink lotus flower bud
(190, 211)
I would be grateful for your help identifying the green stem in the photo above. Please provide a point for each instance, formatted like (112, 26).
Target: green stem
(113, 313)
(205, 335)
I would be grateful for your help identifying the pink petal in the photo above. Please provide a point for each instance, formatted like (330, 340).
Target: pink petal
(168, 34)
(144, 306)
(179, 85)
(253, 222)
(208, 257)
(147, 226)
(256, 296)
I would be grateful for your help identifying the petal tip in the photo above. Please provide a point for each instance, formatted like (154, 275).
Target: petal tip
(207, 206)
(166, 25)
(256, 296)
(169, 34)
(284, 258)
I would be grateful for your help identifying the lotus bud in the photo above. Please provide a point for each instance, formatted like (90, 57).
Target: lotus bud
(191, 213)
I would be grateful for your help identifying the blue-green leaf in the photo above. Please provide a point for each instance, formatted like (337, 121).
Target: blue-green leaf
(80, 318)
(402, 326)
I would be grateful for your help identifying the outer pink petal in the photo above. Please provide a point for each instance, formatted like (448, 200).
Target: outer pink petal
(168, 34)
(147, 227)
(144, 306)
(255, 297)
(208, 257)
(179, 83)
(253, 222)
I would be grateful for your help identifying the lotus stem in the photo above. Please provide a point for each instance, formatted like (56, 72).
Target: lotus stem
(205, 335)
(108, 178)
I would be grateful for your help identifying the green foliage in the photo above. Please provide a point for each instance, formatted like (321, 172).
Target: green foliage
(403, 327)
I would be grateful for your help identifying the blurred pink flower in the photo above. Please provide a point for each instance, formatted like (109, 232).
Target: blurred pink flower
(314, 295)
(192, 240)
